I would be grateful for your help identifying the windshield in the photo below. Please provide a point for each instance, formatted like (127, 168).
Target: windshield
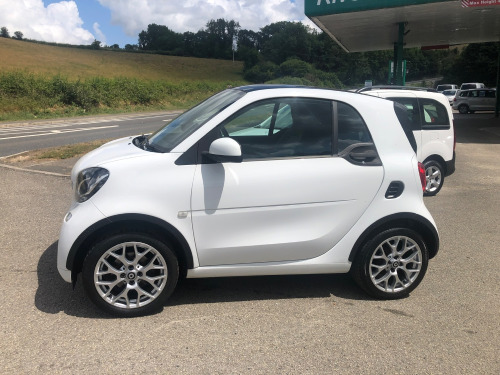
(168, 137)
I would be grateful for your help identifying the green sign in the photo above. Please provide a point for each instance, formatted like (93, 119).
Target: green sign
(315, 8)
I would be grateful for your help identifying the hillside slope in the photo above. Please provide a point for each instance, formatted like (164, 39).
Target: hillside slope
(82, 63)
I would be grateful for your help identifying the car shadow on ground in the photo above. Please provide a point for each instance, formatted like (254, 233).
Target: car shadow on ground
(54, 295)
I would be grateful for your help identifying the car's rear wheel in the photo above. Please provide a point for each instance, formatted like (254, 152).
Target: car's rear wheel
(463, 108)
(392, 264)
(130, 274)
(434, 177)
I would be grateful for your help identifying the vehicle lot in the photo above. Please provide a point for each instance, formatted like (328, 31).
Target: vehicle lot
(294, 324)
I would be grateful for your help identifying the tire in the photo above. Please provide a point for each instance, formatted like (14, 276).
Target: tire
(392, 264)
(434, 177)
(463, 109)
(130, 274)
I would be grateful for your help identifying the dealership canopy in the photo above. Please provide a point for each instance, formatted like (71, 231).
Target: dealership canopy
(368, 25)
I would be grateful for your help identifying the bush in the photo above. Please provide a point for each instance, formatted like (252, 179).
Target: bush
(295, 68)
(262, 72)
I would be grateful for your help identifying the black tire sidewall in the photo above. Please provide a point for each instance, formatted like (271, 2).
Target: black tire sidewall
(360, 267)
(438, 165)
(462, 111)
(103, 245)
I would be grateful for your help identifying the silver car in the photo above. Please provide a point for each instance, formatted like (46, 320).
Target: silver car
(450, 94)
(469, 101)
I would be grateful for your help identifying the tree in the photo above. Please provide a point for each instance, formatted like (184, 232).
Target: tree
(115, 46)
(221, 34)
(284, 40)
(96, 44)
(160, 38)
(476, 63)
(131, 47)
(18, 35)
(4, 32)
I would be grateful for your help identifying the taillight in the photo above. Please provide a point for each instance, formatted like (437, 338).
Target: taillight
(421, 172)
(454, 135)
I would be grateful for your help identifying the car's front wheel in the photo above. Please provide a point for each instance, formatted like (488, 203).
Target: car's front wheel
(392, 264)
(434, 177)
(130, 274)
(463, 109)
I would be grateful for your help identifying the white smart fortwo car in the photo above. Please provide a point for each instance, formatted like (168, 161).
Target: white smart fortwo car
(256, 180)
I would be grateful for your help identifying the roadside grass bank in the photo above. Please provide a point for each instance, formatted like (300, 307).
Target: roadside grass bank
(26, 95)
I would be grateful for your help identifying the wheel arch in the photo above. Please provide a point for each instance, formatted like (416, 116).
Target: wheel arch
(136, 223)
(439, 159)
(401, 220)
(463, 105)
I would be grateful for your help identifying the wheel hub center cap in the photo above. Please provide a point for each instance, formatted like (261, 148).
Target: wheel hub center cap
(395, 263)
(131, 276)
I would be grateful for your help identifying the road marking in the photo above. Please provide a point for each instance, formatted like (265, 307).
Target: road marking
(61, 131)
(69, 124)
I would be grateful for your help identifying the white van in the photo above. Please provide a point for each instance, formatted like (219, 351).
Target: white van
(472, 85)
(446, 86)
(432, 121)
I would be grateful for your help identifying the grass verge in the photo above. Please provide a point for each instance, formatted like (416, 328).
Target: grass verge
(55, 153)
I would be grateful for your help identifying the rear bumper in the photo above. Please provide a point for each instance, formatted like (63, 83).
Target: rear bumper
(450, 165)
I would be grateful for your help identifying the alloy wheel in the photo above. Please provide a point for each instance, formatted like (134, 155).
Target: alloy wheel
(433, 177)
(130, 275)
(395, 264)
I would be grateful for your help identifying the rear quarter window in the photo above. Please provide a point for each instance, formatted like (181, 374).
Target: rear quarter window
(413, 111)
(402, 114)
(351, 127)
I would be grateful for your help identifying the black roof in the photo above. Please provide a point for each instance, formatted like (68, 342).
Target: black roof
(392, 87)
(250, 88)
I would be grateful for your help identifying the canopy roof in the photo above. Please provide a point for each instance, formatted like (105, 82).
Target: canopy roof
(370, 25)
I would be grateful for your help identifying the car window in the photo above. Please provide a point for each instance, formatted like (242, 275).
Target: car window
(413, 113)
(282, 127)
(490, 94)
(168, 137)
(351, 127)
(433, 114)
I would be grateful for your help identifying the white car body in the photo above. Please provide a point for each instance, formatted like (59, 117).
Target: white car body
(285, 215)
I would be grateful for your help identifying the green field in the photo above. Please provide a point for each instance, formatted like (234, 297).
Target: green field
(42, 81)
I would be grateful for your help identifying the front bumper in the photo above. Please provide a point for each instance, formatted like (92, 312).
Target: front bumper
(77, 220)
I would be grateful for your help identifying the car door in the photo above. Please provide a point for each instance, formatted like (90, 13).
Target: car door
(474, 100)
(292, 197)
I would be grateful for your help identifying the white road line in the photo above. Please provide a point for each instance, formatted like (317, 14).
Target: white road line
(69, 124)
(61, 131)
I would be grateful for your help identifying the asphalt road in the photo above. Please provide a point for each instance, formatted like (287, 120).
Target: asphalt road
(22, 136)
(295, 324)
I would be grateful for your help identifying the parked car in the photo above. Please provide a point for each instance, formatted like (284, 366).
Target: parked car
(471, 85)
(336, 188)
(432, 123)
(470, 101)
(450, 94)
(446, 86)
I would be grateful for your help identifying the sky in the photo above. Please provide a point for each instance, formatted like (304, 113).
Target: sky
(120, 21)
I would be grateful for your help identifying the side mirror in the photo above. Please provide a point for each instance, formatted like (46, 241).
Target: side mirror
(225, 150)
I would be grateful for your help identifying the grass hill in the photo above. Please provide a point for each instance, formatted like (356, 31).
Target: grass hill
(39, 80)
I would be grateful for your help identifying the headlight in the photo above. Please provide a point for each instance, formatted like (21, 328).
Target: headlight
(88, 182)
